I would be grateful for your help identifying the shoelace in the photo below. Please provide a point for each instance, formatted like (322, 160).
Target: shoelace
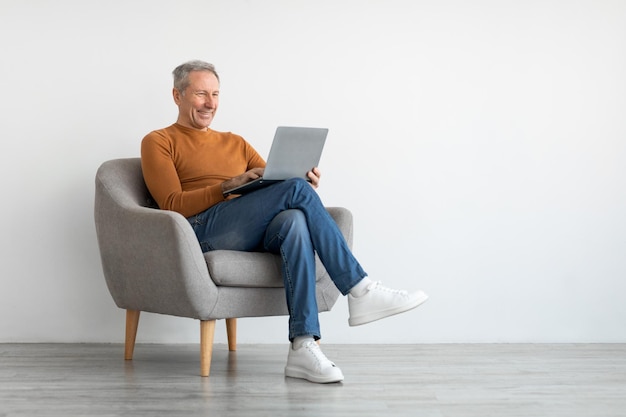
(377, 285)
(318, 354)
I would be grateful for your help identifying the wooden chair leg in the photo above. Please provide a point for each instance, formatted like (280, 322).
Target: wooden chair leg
(207, 333)
(231, 333)
(132, 322)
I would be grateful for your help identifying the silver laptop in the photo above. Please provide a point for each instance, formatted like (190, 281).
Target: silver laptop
(294, 152)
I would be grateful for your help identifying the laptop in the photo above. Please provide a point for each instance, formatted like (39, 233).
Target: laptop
(294, 152)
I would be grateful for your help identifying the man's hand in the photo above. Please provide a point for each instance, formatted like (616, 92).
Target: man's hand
(246, 177)
(314, 175)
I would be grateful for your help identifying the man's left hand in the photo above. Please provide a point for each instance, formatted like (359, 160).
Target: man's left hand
(314, 175)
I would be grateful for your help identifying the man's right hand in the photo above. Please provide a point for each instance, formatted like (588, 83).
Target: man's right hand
(246, 177)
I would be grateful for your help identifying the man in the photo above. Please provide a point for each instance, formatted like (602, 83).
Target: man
(187, 167)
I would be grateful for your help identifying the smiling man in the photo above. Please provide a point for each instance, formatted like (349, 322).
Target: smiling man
(198, 105)
(187, 166)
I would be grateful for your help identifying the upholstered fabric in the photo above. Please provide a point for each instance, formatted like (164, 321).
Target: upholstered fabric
(251, 269)
(152, 261)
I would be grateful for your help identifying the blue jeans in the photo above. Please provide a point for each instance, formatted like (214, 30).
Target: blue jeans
(289, 219)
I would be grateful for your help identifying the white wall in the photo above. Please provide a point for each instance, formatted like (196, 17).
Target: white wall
(480, 146)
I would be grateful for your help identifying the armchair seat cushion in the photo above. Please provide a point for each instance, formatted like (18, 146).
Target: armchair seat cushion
(230, 268)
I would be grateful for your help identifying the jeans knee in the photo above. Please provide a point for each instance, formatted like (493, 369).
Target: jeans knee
(299, 185)
(297, 182)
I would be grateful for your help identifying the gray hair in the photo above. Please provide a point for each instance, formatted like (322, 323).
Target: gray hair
(181, 73)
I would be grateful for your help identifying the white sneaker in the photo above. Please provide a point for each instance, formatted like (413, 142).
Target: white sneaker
(380, 302)
(308, 362)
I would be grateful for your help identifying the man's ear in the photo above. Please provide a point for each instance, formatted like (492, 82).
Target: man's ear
(176, 94)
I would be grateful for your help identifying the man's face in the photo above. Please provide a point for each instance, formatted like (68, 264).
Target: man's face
(198, 104)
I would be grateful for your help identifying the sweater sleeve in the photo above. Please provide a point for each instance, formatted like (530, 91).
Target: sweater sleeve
(164, 184)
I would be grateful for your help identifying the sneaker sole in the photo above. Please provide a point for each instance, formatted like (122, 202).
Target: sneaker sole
(296, 372)
(368, 318)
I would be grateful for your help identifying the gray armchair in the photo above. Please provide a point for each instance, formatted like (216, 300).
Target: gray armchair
(152, 262)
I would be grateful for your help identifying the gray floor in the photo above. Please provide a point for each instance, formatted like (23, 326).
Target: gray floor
(381, 380)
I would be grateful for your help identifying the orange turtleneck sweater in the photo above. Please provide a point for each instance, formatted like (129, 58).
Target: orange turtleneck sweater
(184, 168)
